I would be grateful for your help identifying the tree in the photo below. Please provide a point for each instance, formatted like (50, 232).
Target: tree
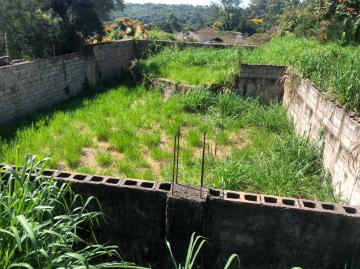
(38, 28)
(153, 15)
(343, 13)
(229, 13)
(171, 24)
(325, 20)
(270, 11)
(80, 20)
(29, 26)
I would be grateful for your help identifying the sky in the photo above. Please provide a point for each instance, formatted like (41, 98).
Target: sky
(174, 2)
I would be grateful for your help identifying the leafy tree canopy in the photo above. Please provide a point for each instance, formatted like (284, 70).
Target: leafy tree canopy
(158, 16)
(38, 28)
(325, 20)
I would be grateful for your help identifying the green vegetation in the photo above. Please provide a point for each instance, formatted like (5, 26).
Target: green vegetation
(332, 67)
(225, 15)
(161, 35)
(41, 28)
(194, 249)
(154, 15)
(204, 66)
(325, 20)
(122, 28)
(40, 221)
(250, 146)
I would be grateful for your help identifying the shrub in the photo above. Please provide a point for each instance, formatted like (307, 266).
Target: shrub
(123, 28)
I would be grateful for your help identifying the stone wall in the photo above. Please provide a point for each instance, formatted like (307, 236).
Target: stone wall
(266, 231)
(333, 129)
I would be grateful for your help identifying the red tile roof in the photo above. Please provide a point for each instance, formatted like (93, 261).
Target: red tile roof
(206, 31)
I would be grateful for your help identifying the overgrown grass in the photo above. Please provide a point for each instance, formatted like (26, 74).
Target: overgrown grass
(332, 67)
(195, 66)
(40, 222)
(129, 132)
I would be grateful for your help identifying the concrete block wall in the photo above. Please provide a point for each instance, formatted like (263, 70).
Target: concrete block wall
(327, 124)
(258, 81)
(29, 86)
(169, 88)
(261, 81)
(266, 231)
(112, 59)
(34, 85)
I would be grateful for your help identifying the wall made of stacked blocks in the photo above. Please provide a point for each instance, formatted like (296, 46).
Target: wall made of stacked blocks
(265, 231)
(35, 85)
(334, 130)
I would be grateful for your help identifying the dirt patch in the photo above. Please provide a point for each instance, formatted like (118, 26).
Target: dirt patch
(156, 166)
(164, 142)
(241, 139)
(62, 165)
(88, 158)
(106, 147)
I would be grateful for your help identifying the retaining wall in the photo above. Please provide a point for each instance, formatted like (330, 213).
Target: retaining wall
(258, 81)
(333, 129)
(266, 231)
(261, 81)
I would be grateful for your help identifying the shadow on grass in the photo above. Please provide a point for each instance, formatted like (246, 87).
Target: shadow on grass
(9, 131)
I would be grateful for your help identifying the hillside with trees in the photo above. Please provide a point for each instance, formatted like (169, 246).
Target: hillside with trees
(158, 15)
(226, 15)
(41, 28)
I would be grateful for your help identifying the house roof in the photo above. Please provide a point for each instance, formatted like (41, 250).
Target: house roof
(206, 31)
(232, 37)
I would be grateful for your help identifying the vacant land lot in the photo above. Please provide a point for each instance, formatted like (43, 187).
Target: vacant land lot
(332, 67)
(129, 132)
(195, 66)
